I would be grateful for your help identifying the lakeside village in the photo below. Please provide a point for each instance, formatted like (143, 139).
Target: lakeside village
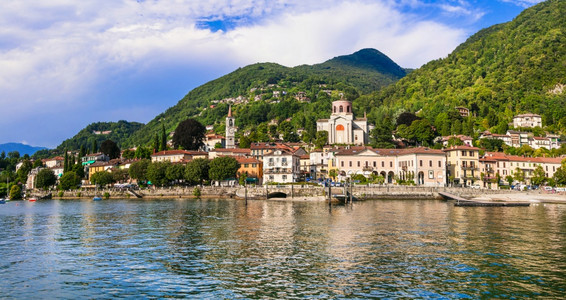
(220, 162)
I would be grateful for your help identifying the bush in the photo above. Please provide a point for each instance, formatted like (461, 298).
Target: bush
(15, 192)
(61, 193)
(79, 194)
(196, 192)
(106, 195)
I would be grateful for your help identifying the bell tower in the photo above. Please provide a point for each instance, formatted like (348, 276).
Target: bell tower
(230, 130)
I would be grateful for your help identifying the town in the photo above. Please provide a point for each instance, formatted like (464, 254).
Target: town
(345, 157)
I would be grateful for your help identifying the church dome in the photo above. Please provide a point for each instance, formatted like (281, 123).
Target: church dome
(342, 106)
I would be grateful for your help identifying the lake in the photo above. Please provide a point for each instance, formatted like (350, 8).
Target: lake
(269, 249)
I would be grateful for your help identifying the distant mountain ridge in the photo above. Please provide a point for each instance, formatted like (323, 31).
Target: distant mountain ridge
(21, 148)
(365, 71)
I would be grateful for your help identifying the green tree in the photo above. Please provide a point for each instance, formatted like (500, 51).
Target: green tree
(94, 147)
(163, 141)
(128, 154)
(157, 173)
(69, 181)
(175, 172)
(138, 170)
(110, 148)
(16, 192)
(539, 176)
(381, 136)
(45, 178)
(519, 175)
(223, 167)
(495, 145)
(23, 172)
(509, 179)
(37, 163)
(321, 139)
(333, 173)
(119, 175)
(196, 171)
(79, 170)
(560, 176)
(454, 141)
(102, 178)
(189, 135)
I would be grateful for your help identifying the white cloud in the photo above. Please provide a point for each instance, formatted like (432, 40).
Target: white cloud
(523, 3)
(63, 53)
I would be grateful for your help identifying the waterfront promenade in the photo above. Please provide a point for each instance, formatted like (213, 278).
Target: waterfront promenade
(317, 193)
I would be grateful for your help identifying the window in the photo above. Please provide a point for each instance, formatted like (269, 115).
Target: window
(347, 108)
(439, 164)
(471, 153)
(246, 165)
(420, 163)
(358, 163)
(430, 163)
(350, 164)
(383, 164)
(391, 164)
(375, 165)
(284, 177)
(334, 108)
(463, 153)
(431, 174)
(342, 164)
(341, 108)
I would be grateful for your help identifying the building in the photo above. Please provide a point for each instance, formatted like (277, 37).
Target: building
(462, 165)
(177, 156)
(92, 158)
(281, 166)
(464, 112)
(53, 162)
(230, 130)
(211, 140)
(342, 127)
(237, 152)
(425, 166)
(252, 168)
(527, 120)
(467, 140)
(259, 149)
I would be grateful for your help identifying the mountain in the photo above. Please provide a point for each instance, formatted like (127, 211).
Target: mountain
(265, 91)
(99, 132)
(501, 71)
(21, 148)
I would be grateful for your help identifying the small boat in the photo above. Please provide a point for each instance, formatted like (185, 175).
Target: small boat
(32, 199)
(96, 198)
(2, 201)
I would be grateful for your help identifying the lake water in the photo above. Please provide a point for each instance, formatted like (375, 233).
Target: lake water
(225, 249)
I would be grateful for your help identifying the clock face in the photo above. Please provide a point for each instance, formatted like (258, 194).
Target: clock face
(231, 130)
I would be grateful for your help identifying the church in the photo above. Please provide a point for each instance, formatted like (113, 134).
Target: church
(342, 128)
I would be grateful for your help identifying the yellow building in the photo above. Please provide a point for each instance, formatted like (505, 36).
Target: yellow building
(462, 165)
(253, 168)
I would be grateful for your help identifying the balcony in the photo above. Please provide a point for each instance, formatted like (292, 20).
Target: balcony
(367, 168)
(278, 171)
(466, 167)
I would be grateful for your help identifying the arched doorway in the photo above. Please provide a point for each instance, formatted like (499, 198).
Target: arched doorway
(390, 176)
(420, 178)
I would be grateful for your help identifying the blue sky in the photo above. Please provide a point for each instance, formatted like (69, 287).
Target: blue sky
(65, 64)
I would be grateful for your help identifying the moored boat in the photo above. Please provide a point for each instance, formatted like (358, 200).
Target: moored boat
(32, 199)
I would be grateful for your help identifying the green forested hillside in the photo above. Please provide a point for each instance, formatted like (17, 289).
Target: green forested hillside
(270, 91)
(499, 72)
(119, 132)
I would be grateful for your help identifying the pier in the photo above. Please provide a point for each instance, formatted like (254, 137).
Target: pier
(462, 202)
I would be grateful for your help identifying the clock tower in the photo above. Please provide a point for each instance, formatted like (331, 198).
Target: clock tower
(230, 130)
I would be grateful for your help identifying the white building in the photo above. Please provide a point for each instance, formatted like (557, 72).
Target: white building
(527, 120)
(342, 127)
(281, 166)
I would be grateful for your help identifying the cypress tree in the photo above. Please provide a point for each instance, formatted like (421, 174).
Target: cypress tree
(163, 145)
(66, 162)
(156, 143)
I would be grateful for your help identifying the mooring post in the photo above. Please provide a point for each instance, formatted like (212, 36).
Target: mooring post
(351, 190)
(246, 192)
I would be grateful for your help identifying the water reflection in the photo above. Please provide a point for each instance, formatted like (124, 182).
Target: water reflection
(226, 249)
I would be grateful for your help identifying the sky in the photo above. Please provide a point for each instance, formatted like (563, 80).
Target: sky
(65, 64)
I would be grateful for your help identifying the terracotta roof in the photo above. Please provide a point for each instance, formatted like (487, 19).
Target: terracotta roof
(421, 150)
(178, 152)
(461, 148)
(306, 156)
(235, 150)
(247, 160)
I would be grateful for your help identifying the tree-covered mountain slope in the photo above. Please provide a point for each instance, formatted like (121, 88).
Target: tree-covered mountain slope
(499, 72)
(99, 132)
(265, 91)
